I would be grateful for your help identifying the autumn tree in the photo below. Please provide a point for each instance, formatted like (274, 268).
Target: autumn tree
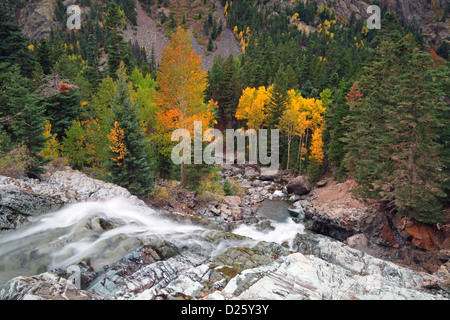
(180, 97)
(289, 125)
(253, 107)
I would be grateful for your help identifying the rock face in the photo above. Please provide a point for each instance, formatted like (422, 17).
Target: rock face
(422, 13)
(333, 272)
(299, 186)
(40, 21)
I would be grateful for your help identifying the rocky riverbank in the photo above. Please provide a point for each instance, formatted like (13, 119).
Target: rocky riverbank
(206, 256)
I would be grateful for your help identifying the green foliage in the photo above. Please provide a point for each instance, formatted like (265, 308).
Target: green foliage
(394, 130)
(74, 146)
(43, 56)
(62, 109)
(13, 44)
(23, 114)
(227, 188)
(210, 186)
(134, 171)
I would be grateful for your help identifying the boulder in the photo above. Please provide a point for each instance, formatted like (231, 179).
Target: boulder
(232, 201)
(299, 186)
(46, 286)
(358, 241)
(321, 183)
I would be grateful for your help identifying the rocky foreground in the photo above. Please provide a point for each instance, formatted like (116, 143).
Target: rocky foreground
(213, 262)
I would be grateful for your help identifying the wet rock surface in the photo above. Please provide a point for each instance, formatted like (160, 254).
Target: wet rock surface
(22, 198)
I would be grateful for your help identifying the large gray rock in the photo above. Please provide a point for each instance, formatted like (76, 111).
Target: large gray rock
(46, 286)
(334, 272)
(299, 186)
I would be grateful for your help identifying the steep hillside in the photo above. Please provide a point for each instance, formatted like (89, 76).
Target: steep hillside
(150, 22)
(152, 29)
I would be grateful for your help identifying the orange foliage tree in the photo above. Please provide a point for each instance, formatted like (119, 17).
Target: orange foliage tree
(182, 83)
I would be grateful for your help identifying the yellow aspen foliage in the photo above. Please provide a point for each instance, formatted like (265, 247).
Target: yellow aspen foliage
(116, 137)
(316, 150)
(252, 106)
(52, 147)
(235, 30)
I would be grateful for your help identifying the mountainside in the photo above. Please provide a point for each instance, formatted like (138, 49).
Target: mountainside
(39, 17)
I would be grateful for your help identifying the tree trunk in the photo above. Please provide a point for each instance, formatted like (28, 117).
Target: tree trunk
(289, 153)
(183, 175)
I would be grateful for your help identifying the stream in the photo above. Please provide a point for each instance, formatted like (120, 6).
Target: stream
(101, 233)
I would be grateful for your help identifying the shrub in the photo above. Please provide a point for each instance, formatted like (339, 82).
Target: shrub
(15, 163)
(227, 188)
(236, 187)
(161, 196)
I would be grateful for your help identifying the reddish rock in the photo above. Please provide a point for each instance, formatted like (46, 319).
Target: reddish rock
(422, 235)
(175, 204)
(387, 236)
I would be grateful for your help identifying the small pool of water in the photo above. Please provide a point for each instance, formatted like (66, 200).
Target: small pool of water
(276, 210)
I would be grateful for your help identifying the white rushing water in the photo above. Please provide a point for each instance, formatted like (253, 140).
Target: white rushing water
(73, 233)
(283, 231)
(65, 237)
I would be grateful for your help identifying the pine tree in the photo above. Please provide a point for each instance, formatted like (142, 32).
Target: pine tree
(153, 63)
(43, 56)
(210, 46)
(307, 89)
(415, 125)
(115, 22)
(129, 165)
(63, 108)
(278, 98)
(24, 118)
(13, 48)
(336, 127)
(93, 61)
(392, 150)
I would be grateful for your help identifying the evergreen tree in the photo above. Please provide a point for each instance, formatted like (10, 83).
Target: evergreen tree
(392, 150)
(307, 89)
(43, 56)
(278, 98)
(62, 109)
(210, 46)
(93, 61)
(13, 48)
(129, 165)
(23, 117)
(115, 22)
(336, 127)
